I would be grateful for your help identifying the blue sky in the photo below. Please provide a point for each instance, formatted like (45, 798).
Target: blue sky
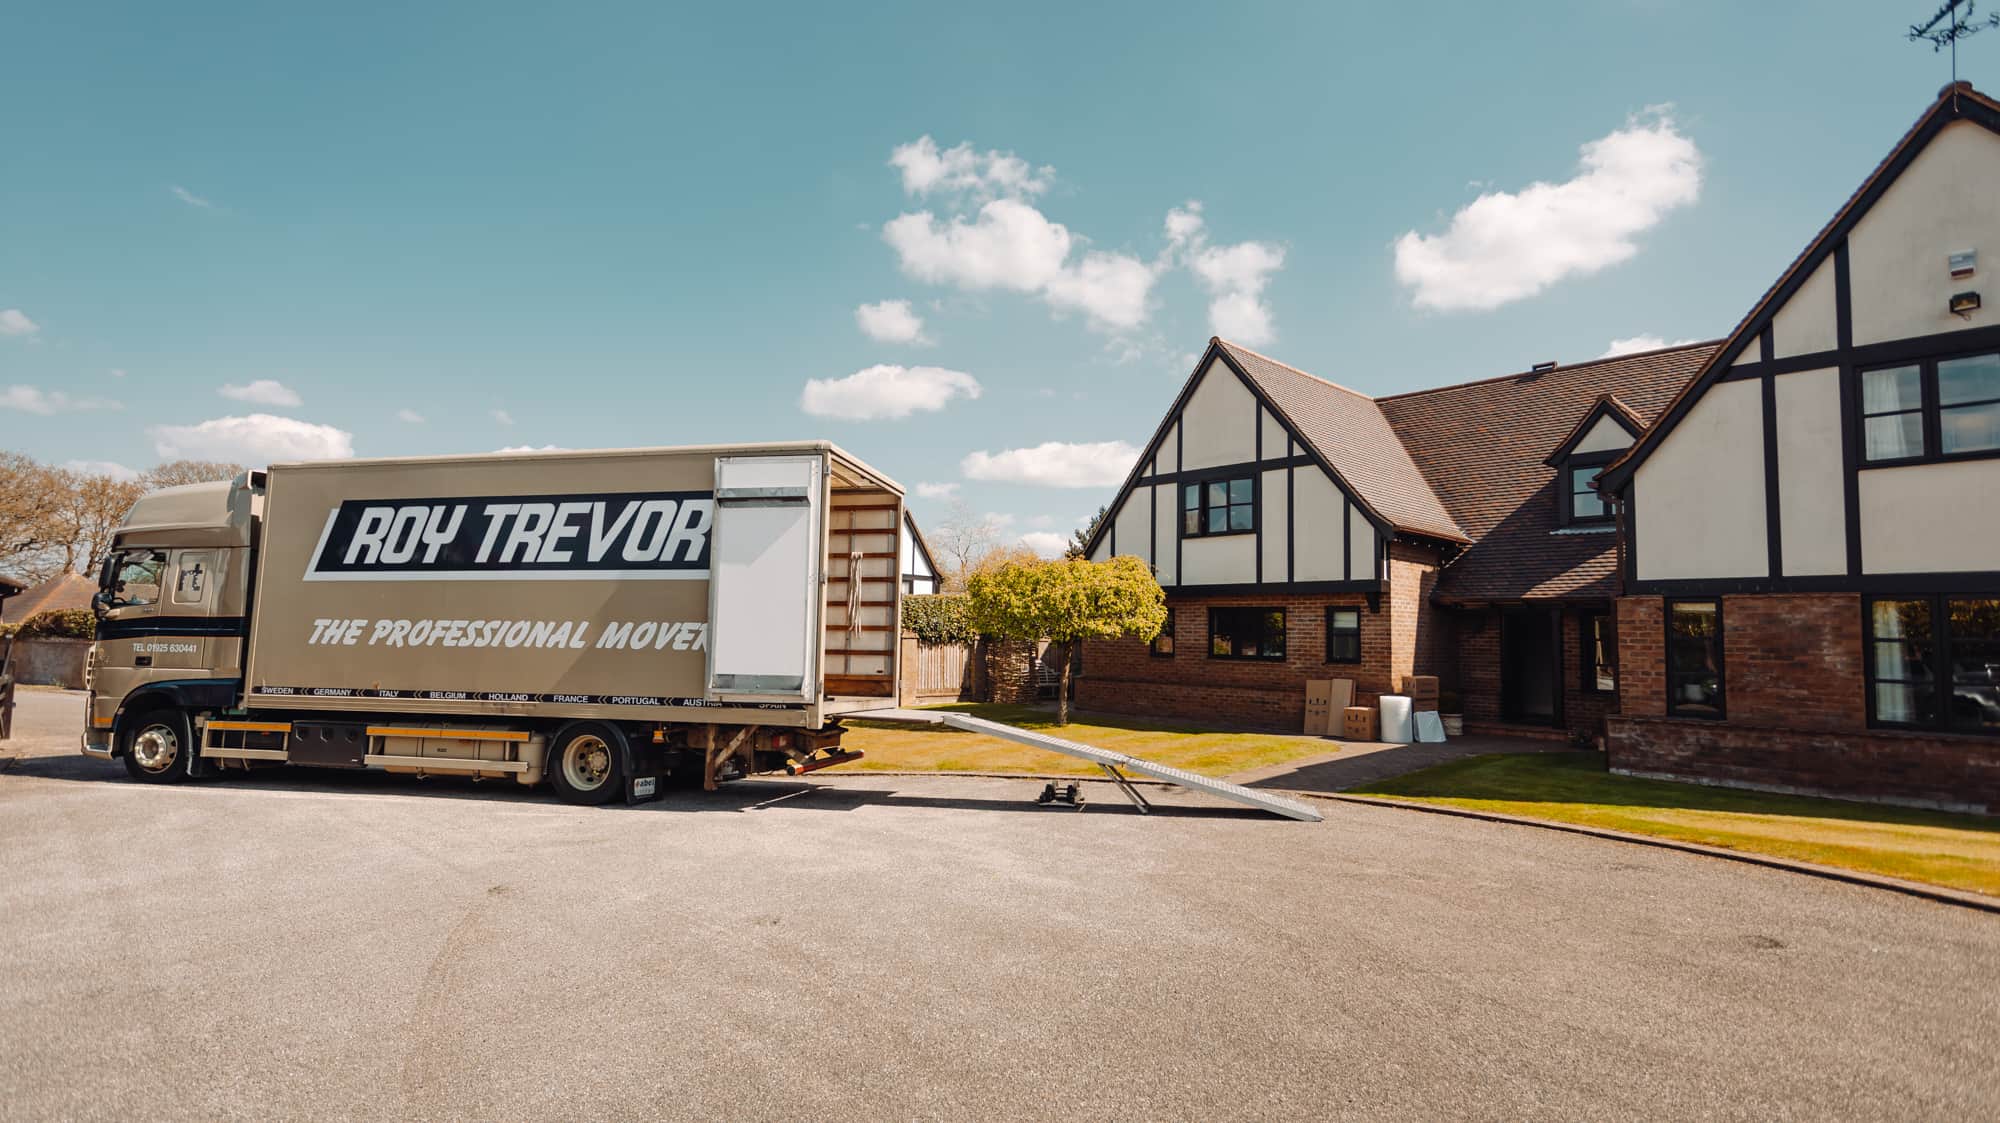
(623, 224)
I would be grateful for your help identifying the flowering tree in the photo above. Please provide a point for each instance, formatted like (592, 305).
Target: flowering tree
(1066, 601)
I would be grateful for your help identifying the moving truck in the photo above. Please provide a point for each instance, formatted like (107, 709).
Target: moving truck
(602, 620)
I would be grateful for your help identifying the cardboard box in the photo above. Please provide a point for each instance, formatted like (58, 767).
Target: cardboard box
(1358, 723)
(1325, 699)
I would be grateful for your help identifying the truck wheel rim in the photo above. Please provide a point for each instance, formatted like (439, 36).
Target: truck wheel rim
(586, 763)
(155, 748)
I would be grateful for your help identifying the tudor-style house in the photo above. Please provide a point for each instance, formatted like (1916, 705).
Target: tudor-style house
(1812, 571)
(1770, 561)
(1304, 530)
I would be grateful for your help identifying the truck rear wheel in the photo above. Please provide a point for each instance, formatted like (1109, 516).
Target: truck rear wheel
(157, 746)
(587, 763)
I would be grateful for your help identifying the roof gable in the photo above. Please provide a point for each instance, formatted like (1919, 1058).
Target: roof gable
(1606, 407)
(1956, 102)
(1347, 433)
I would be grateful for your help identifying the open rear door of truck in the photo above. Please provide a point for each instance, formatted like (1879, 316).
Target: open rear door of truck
(7, 689)
(764, 579)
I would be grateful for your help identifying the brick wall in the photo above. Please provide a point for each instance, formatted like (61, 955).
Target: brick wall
(1122, 676)
(1933, 770)
(1642, 667)
(1476, 637)
(1584, 708)
(1414, 623)
(1794, 660)
(1795, 695)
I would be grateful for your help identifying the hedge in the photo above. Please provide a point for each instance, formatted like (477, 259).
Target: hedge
(61, 623)
(938, 618)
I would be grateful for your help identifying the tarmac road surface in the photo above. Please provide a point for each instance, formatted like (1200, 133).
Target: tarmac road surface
(359, 945)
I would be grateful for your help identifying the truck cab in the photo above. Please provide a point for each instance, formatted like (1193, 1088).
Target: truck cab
(171, 604)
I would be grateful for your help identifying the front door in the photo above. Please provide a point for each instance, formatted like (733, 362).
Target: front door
(1530, 662)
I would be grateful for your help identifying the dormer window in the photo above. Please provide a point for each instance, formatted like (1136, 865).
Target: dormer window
(1601, 436)
(1581, 503)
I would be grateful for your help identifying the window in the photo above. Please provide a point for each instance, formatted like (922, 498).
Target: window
(1219, 507)
(192, 580)
(1934, 663)
(1600, 653)
(1576, 486)
(1934, 410)
(134, 577)
(1163, 644)
(1343, 635)
(1246, 633)
(1694, 658)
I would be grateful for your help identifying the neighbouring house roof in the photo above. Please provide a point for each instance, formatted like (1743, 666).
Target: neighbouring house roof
(1348, 431)
(923, 548)
(1955, 102)
(71, 590)
(1484, 449)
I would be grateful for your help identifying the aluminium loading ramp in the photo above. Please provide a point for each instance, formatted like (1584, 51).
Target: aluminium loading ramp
(1110, 762)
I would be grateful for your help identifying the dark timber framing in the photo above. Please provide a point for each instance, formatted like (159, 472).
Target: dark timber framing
(1774, 527)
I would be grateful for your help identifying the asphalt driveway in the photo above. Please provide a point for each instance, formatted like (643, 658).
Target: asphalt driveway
(336, 944)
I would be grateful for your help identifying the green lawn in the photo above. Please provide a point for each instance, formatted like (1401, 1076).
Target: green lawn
(1209, 751)
(1959, 851)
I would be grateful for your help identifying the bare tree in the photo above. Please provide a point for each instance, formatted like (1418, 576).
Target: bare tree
(177, 472)
(91, 508)
(31, 494)
(963, 541)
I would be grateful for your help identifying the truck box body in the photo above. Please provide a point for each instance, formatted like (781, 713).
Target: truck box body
(728, 584)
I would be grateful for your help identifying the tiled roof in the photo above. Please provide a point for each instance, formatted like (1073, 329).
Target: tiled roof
(1481, 446)
(71, 590)
(1349, 432)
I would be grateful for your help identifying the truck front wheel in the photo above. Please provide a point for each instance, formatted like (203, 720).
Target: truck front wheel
(587, 763)
(157, 746)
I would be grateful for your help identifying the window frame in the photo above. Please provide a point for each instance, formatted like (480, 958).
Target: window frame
(1201, 486)
(1587, 643)
(1166, 633)
(1284, 637)
(114, 566)
(1331, 631)
(1674, 705)
(1930, 410)
(1566, 496)
(1940, 666)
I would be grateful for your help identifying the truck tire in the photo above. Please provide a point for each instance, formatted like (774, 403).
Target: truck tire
(587, 763)
(158, 744)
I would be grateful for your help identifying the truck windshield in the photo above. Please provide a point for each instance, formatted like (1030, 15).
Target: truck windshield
(133, 577)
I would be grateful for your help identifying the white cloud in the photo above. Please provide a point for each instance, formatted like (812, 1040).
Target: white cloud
(1011, 245)
(937, 491)
(263, 392)
(1055, 464)
(1047, 543)
(117, 372)
(409, 417)
(1234, 276)
(523, 450)
(927, 169)
(890, 321)
(1638, 343)
(886, 391)
(189, 197)
(34, 399)
(13, 321)
(110, 468)
(1504, 247)
(254, 439)
(503, 417)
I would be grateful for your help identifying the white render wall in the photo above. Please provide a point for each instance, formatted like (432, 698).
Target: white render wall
(1812, 504)
(1700, 496)
(1604, 436)
(1806, 324)
(1948, 199)
(1926, 518)
(1219, 425)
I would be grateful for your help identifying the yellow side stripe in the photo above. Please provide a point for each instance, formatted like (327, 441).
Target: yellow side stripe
(101, 722)
(453, 734)
(253, 726)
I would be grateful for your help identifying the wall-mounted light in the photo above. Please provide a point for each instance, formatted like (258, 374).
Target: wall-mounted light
(1964, 304)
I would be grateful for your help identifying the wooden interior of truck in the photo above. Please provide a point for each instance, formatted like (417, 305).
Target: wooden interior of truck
(864, 556)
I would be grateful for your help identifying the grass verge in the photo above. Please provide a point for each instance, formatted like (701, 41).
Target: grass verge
(1209, 751)
(1958, 851)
